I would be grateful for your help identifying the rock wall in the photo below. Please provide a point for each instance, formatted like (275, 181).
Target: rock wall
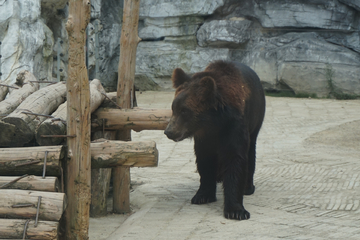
(293, 45)
(27, 36)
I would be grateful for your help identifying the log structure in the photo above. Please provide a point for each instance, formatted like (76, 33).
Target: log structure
(100, 180)
(17, 96)
(30, 160)
(14, 228)
(57, 124)
(18, 128)
(49, 184)
(137, 119)
(125, 96)
(109, 154)
(78, 170)
(23, 204)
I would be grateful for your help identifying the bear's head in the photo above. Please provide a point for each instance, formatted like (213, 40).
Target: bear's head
(195, 97)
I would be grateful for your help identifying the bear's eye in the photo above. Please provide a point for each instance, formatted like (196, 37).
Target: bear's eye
(184, 112)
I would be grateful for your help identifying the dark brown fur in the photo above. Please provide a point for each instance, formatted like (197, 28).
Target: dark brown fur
(222, 108)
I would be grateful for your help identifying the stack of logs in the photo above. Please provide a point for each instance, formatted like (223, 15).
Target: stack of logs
(31, 206)
(33, 117)
(30, 117)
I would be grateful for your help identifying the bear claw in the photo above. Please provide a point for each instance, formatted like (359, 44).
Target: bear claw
(237, 214)
(202, 199)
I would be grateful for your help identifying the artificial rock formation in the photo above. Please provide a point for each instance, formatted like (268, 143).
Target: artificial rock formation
(292, 45)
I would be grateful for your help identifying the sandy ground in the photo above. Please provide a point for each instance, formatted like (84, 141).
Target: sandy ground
(307, 180)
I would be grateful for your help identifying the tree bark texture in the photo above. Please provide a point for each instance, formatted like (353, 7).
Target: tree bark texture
(17, 96)
(78, 173)
(57, 124)
(48, 184)
(18, 128)
(30, 160)
(12, 204)
(125, 95)
(137, 119)
(100, 180)
(109, 154)
(14, 228)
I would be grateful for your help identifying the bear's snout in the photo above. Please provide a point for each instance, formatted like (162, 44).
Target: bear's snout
(169, 134)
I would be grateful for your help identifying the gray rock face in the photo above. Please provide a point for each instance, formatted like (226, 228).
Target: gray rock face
(27, 40)
(224, 32)
(170, 8)
(155, 61)
(109, 16)
(292, 45)
(155, 28)
(314, 14)
(352, 3)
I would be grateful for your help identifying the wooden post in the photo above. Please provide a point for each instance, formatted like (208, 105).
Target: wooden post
(78, 174)
(125, 95)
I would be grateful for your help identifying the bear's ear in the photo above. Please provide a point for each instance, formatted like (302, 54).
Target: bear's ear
(179, 77)
(208, 83)
(208, 87)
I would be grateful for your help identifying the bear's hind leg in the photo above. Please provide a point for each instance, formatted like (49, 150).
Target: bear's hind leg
(249, 187)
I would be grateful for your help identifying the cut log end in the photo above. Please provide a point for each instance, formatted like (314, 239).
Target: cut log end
(15, 132)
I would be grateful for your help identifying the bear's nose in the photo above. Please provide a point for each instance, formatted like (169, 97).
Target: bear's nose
(169, 134)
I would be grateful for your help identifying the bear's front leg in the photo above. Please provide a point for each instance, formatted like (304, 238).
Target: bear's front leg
(233, 195)
(234, 160)
(206, 166)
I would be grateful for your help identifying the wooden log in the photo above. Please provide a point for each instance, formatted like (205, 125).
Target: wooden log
(23, 204)
(14, 228)
(18, 128)
(126, 95)
(78, 170)
(137, 119)
(109, 154)
(17, 96)
(49, 184)
(100, 184)
(17, 161)
(57, 124)
(100, 181)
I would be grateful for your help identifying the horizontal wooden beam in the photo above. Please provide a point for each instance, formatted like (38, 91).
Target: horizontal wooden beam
(14, 229)
(23, 204)
(30, 160)
(109, 154)
(137, 119)
(49, 184)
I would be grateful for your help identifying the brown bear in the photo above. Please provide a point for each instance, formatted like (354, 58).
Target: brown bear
(222, 108)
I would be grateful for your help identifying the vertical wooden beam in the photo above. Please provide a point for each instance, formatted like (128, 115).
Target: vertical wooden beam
(125, 95)
(78, 174)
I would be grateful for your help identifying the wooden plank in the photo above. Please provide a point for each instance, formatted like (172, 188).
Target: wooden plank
(78, 171)
(49, 184)
(14, 228)
(137, 119)
(127, 154)
(52, 204)
(30, 160)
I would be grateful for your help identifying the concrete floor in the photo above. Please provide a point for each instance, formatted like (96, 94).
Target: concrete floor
(307, 180)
